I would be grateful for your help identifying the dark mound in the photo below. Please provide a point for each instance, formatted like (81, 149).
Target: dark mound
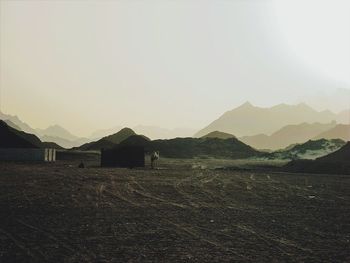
(120, 135)
(136, 140)
(340, 156)
(219, 135)
(199, 147)
(12, 138)
(107, 142)
(178, 147)
(96, 146)
(311, 149)
(337, 162)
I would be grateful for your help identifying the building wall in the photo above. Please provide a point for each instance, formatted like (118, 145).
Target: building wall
(128, 156)
(27, 154)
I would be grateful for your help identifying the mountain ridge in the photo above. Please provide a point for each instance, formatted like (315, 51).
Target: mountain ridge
(287, 135)
(249, 120)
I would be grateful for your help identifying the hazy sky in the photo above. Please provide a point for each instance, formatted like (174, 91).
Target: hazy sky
(88, 65)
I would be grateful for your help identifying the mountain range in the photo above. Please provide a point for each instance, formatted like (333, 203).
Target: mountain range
(66, 139)
(214, 145)
(290, 134)
(262, 128)
(340, 131)
(54, 133)
(249, 120)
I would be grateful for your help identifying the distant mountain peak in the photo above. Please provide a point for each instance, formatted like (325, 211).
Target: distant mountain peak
(304, 106)
(55, 127)
(219, 135)
(120, 136)
(109, 141)
(126, 129)
(246, 104)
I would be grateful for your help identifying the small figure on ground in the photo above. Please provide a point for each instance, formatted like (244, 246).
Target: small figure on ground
(154, 158)
(81, 165)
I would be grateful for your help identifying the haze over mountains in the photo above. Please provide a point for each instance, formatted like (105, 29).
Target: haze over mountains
(248, 120)
(290, 134)
(214, 145)
(66, 139)
(262, 128)
(340, 131)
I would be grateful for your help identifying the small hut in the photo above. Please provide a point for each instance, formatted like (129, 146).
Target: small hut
(28, 154)
(123, 156)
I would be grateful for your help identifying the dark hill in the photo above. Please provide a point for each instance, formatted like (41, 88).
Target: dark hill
(12, 138)
(120, 135)
(219, 134)
(178, 147)
(342, 155)
(12, 125)
(311, 149)
(108, 142)
(96, 146)
(337, 162)
(136, 140)
(196, 147)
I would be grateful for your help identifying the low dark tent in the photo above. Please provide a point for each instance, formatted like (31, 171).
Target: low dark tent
(123, 156)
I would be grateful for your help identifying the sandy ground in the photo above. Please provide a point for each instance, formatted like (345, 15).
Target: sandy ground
(59, 213)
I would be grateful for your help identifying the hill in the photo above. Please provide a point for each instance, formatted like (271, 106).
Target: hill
(344, 117)
(247, 120)
(20, 125)
(196, 147)
(340, 131)
(56, 131)
(219, 135)
(290, 134)
(120, 135)
(98, 134)
(64, 142)
(136, 140)
(340, 156)
(51, 145)
(61, 136)
(155, 132)
(12, 125)
(12, 138)
(334, 163)
(311, 149)
(109, 141)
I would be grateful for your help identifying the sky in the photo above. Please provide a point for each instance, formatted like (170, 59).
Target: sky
(88, 65)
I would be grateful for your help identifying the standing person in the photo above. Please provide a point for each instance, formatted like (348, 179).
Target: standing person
(154, 158)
